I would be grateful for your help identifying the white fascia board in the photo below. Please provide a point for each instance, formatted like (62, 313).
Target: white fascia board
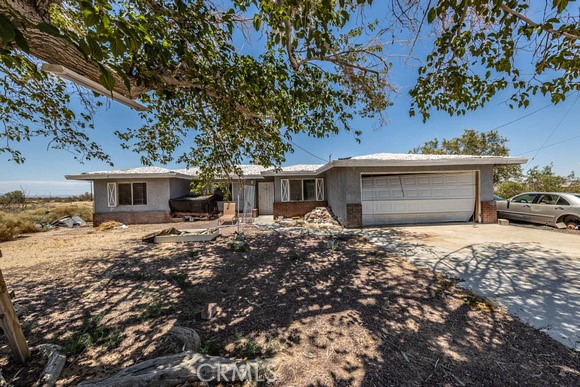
(442, 162)
(119, 176)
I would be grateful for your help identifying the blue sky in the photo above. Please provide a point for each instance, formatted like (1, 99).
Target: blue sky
(44, 169)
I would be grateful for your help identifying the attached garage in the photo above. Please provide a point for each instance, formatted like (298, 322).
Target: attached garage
(418, 198)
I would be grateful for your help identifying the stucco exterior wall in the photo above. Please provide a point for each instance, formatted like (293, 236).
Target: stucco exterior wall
(335, 193)
(158, 194)
(179, 188)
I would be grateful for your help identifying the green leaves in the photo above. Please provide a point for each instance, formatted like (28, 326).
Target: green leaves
(477, 54)
(106, 79)
(7, 29)
(431, 15)
(49, 29)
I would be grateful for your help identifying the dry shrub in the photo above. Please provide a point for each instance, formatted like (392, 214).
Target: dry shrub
(108, 225)
(17, 222)
(12, 225)
(57, 212)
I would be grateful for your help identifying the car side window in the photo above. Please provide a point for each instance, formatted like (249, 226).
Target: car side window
(547, 199)
(562, 202)
(525, 198)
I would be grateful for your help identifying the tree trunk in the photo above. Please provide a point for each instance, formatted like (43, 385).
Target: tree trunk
(52, 49)
(188, 367)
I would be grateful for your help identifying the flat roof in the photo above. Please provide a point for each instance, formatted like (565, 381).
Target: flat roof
(252, 171)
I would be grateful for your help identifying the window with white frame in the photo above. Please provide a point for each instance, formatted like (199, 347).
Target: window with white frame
(298, 190)
(132, 194)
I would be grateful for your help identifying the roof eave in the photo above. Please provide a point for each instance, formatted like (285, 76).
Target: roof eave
(414, 163)
(116, 176)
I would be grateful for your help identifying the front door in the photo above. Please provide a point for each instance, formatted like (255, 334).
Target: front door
(266, 198)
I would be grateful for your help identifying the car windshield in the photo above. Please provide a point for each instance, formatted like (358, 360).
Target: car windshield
(578, 196)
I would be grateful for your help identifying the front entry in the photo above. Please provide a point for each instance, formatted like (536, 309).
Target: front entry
(266, 198)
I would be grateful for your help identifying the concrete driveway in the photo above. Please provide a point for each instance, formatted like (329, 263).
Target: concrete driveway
(535, 274)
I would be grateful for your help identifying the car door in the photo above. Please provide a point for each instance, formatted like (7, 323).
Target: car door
(544, 209)
(518, 208)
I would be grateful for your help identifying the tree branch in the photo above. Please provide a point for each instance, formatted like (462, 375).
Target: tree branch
(534, 24)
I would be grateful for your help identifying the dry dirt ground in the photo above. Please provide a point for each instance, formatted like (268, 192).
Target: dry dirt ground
(333, 312)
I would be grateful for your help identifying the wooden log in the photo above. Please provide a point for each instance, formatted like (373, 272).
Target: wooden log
(10, 324)
(54, 365)
(187, 367)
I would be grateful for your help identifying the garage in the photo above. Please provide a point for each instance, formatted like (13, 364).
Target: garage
(418, 198)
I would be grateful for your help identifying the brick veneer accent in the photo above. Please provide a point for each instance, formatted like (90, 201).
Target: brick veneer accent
(133, 217)
(353, 215)
(290, 209)
(488, 212)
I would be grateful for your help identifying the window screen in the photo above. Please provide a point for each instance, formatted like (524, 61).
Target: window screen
(310, 189)
(295, 189)
(139, 193)
(125, 194)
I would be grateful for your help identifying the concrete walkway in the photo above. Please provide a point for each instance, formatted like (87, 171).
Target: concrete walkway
(535, 274)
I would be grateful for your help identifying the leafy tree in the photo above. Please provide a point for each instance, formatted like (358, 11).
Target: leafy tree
(13, 197)
(313, 70)
(543, 179)
(472, 142)
(508, 189)
(538, 179)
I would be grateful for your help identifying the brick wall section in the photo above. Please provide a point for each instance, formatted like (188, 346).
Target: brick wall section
(353, 215)
(290, 209)
(133, 217)
(488, 212)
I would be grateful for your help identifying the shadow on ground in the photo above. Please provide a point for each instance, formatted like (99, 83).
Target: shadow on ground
(334, 311)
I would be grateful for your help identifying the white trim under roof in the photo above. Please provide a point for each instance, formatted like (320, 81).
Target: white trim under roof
(413, 160)
(296, 170)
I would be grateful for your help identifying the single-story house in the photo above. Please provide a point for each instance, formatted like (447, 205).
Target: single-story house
(369, 190)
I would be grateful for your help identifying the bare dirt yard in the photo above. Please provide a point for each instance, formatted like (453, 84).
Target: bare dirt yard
(332, 312)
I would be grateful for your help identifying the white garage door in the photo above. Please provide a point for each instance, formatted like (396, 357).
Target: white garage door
(418, 198)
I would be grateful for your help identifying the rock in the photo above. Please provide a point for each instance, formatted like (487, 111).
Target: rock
(321, 215)
(209, 311)
(189, 338)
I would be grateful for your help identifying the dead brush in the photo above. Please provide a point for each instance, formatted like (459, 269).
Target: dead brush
(109, 225)
(477, 302)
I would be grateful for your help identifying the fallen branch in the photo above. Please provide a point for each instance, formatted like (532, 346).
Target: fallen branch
(54, 365)
(187, 367)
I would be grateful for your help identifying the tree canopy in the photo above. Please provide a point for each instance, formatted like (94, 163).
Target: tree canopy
(316, 64)
(472, 142)
(538, 179)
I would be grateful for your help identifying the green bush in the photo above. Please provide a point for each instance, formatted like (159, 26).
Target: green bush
(91, 333)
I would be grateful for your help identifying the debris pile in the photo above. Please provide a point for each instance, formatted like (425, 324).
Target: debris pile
(320, 215)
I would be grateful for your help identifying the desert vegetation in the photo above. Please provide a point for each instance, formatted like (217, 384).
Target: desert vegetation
(20, 215)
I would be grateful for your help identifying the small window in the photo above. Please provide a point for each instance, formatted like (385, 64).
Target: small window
(309, 189)
(547, 199)
(139, 193)
(296, 190)
(562, 202)
(125, 194)
(525, 198)
(132, 194)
